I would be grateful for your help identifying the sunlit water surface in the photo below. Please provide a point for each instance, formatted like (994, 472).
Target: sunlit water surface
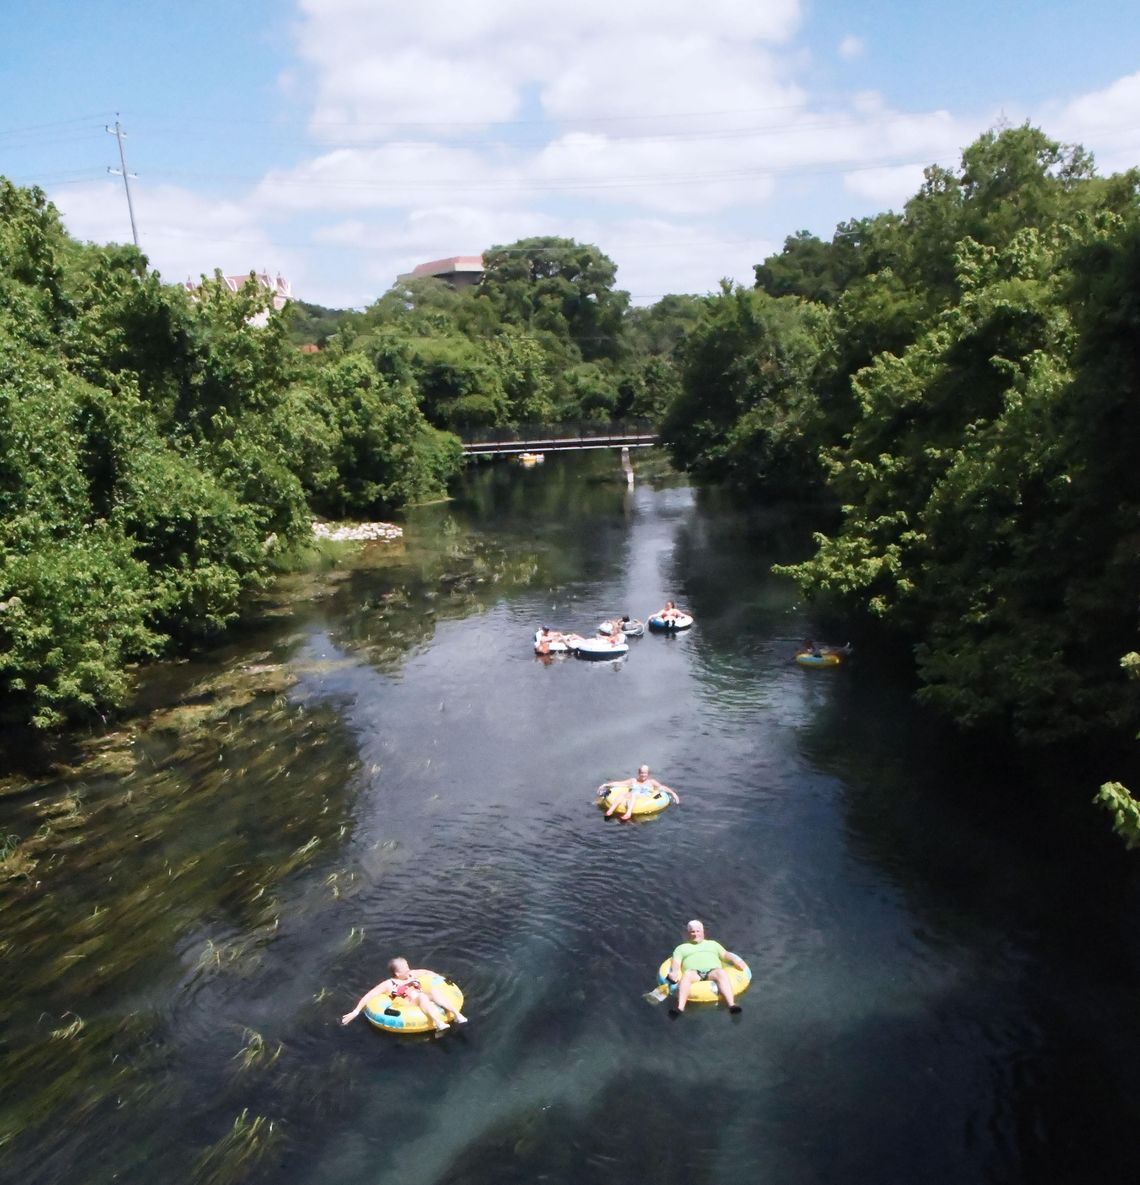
(944, 991)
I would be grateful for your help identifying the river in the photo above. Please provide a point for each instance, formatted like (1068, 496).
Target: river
(945, 983)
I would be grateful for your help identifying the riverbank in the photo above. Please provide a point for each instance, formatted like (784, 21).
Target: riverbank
(31, 758)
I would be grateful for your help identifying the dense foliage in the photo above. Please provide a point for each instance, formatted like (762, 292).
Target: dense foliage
(544, 338)
(159, 448)
(311, 324)
(960, 380)
(156, 451)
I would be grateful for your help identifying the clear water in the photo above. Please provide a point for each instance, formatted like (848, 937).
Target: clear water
(944, 985)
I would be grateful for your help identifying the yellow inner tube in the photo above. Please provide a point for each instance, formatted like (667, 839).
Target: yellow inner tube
(705, 992)
(397, 1014)
(646, 804)
(829, 658)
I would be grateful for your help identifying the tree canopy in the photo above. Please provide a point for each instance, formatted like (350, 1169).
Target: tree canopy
(969, 404)
(157, 450)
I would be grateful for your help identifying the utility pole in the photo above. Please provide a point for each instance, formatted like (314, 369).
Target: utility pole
(120, 135)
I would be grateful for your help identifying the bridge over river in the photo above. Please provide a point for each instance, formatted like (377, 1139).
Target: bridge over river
(548, 438)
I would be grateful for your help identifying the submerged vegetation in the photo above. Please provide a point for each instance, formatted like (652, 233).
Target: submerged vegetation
(181, 855)
(250, 1141)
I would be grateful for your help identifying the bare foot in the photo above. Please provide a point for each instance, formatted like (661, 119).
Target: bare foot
(441, 1026)
(460, 1019)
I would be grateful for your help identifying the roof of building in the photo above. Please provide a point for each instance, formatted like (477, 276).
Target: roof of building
(280, 287)
(447, 267)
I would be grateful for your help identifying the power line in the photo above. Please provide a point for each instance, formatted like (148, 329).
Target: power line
(467, 185)
(36, 127)
(503, 123)
(168, 232)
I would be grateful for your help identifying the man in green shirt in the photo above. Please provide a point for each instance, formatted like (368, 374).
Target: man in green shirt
(701, 958)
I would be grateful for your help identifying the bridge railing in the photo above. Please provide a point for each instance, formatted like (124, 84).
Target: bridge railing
(583, 430)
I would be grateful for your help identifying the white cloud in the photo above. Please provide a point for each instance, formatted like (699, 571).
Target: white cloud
(852, 47)
(396, 176)
(351, 233)
(183, 234)
(656, 257)
(474, 63)
(889, 188)
(1106, 121)
(660, 175)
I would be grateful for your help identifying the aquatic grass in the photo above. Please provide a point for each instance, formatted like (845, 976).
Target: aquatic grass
(16, 859)
(257, 1051)
(184, 866)
(69, 1031)
(239, 954)
(211, 956)
(67, 807)
(239, 1152)
(355, 938)
(221, 954)
(297, 859)
(111, 755)
(116, 1066)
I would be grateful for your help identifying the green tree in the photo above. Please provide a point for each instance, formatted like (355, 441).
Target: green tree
(154, 445)
(384, 452)
(748, 414)
(559, 287)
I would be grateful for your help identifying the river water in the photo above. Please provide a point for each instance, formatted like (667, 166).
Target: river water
(945, 983)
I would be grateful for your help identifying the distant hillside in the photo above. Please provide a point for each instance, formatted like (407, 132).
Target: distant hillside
(312, 323)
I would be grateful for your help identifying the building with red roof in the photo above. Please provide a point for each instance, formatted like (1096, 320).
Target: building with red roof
(460, 271)
(280, 287)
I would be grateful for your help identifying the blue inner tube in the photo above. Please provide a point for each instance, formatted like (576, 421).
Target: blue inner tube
(600, 648)
(670, 624)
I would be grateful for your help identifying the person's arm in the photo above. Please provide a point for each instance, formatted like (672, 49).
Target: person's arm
(351, 1016)
(735, 960)
(669, 790)
(674, 972)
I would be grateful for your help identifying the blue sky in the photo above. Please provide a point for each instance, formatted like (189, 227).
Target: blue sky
(340, 142)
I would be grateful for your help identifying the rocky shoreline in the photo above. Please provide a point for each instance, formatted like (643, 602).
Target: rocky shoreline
(353, 532)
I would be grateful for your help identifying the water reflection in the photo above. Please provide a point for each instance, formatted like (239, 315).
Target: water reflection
(935, 1000)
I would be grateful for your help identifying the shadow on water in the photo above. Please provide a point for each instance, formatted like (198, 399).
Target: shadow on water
(1015, 884)
(944, 971)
